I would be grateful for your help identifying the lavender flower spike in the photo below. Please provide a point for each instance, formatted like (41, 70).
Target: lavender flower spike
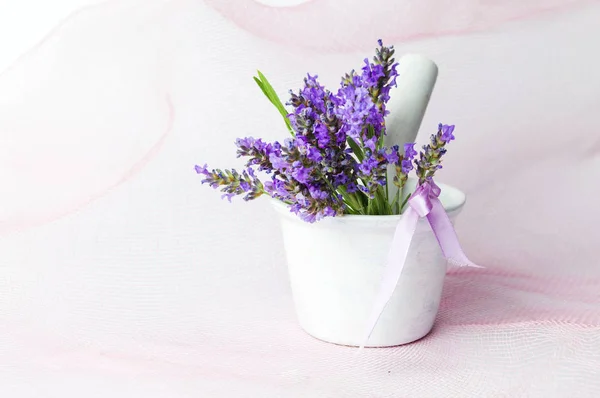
(232, 182)
(430, 158)
(404, 165)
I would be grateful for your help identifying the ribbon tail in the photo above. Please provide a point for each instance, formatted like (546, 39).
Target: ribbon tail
(446, 236)
(393, 268)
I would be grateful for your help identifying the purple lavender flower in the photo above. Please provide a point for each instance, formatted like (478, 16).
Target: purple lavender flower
(314, 155)
(302, 175)
(245, 143)
(373, 169)
(307, 216)
(341, 179)
(356, 106)
(409, 150)
(363, 189)
(277, 188)
(278, 163)
(245, 185)
(385, 68)
(372, 73)
(371, 143)
(406, 165)
(321, 133)
(393, 156)
(228, 196)
(363, 98)
(202, 169)
(302, 200)
(447, 131)
(351, 187)
(328, 212)
(232, 183)
(258, 151)
(367, 165)
(363, 123)
(317, 193)
(430, 158)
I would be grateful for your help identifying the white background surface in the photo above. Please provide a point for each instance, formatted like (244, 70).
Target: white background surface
(121, 275)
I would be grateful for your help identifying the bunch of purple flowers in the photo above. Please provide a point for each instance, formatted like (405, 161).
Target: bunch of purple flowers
(335, 161)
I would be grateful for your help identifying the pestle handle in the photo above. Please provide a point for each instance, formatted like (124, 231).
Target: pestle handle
(408, 101)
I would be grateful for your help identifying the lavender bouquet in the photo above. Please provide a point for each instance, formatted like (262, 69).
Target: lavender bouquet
(335, 161)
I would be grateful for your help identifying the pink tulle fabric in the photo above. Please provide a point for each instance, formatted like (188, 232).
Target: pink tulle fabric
(122, 276)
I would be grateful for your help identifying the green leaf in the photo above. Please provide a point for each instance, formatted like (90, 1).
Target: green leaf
(370, 210)
(356, 149)
(380, 142)
(383, 206)
(371, 131)
(351, 200)
(261, 87)
(272, 96)
(363, 198)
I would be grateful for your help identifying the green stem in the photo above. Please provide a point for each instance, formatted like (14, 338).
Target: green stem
(387, 190)
(370, 207)
(351, 200)
(404, 203)
(395, 205)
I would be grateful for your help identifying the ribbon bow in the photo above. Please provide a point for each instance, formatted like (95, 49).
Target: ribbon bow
(420, 200)
(423, 202)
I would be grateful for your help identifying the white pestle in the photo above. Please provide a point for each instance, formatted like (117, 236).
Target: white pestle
(408, 102)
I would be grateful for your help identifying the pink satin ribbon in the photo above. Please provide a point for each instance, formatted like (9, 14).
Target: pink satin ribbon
(423, 202)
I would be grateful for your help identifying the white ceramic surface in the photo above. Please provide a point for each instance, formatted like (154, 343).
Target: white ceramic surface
(335, 267)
